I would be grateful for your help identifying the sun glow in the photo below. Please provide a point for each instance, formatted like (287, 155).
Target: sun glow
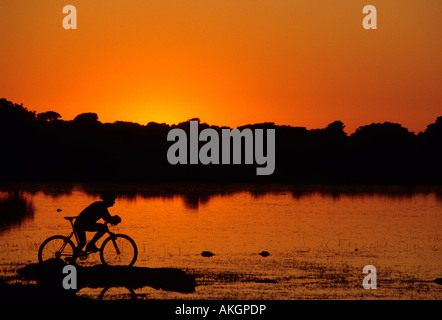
(229, 63)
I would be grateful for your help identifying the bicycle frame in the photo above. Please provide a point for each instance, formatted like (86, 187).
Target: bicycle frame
(74, 233)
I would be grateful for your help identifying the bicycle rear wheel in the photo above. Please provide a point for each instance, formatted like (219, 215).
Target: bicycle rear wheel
(59, 247)
(118, 250)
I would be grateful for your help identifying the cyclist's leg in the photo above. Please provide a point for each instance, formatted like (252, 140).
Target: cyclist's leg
(101, 230)
(81, 233)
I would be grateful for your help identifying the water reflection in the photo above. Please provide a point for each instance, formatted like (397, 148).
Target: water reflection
(315, 234)
(106, 277)
(14, 209)
(106, 294)
(196, 195)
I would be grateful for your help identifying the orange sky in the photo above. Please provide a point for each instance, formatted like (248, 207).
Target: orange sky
(231, 62)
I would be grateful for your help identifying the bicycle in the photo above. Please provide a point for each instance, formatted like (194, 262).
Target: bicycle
(117, 249)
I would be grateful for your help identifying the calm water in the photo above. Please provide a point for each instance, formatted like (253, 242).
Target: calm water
(319, 239)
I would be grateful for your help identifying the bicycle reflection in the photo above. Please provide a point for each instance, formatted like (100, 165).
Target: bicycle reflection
(120, 293)
(118, 282)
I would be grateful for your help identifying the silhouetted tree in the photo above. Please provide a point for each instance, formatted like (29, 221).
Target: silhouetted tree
(385, 134)
(435, 129)
(15, 113)
(88, 117)
(336, 128)
(88, 150)
(48, 116)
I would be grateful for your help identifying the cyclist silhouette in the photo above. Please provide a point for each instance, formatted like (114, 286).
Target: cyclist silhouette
(87, 221)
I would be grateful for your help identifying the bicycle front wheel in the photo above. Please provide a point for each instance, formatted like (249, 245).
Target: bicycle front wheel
(118, 250)
(58, 247)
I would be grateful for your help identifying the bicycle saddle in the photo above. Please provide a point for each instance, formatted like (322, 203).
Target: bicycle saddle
(70, 218)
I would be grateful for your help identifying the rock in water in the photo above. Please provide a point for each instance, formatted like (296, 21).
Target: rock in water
(264, 254)
(207, 254)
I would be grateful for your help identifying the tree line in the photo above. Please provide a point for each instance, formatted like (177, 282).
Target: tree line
(43, 147)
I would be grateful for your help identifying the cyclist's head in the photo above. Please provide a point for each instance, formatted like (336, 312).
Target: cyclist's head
(108, 198)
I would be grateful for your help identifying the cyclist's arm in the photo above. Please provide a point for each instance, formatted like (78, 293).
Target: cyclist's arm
(106, 216)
